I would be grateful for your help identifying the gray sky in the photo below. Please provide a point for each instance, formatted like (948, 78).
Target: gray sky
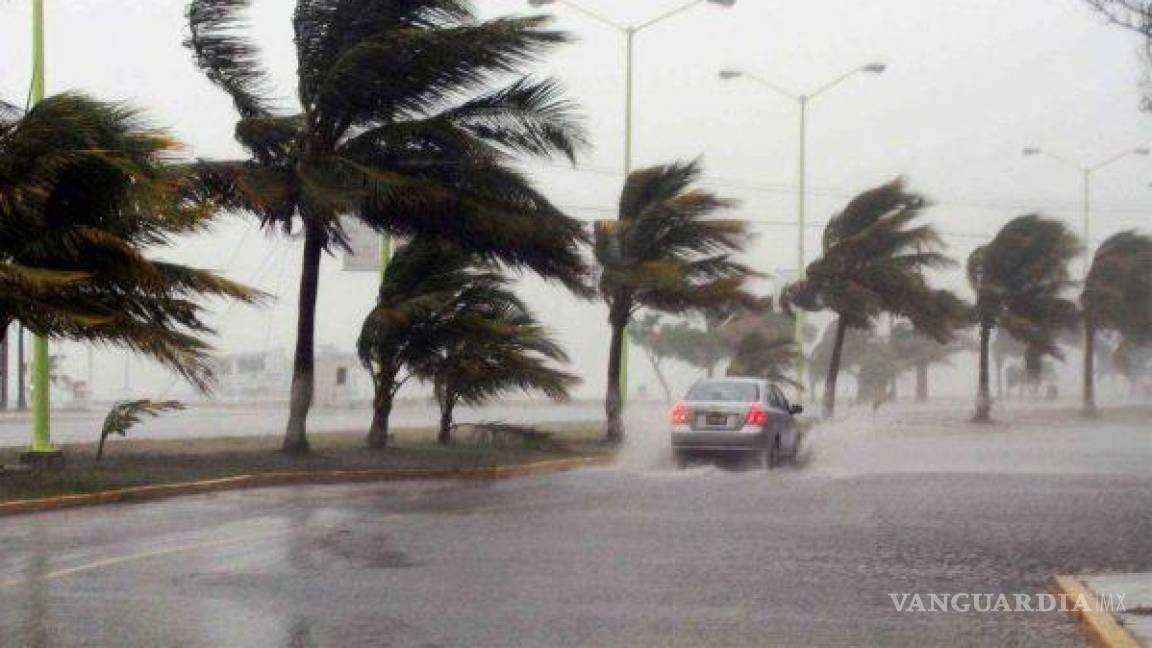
(970, 82)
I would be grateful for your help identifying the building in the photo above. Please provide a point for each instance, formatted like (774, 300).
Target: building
(340, 379)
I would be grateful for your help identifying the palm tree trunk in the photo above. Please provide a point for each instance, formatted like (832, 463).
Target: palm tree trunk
(921, 382)
(447, 405)
(834, 369)
(1089, 410)
(613, 399)
(1000, 376)
(303, 369)
(983, 394)
(381, 413)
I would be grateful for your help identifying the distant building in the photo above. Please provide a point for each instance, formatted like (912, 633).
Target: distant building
(340, 379)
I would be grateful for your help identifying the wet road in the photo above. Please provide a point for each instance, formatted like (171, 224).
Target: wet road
(635, 555)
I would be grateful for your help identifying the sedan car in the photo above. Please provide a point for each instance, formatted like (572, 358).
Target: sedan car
(749, 416)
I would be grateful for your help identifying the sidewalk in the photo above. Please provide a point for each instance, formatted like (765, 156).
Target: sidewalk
(1136, 590)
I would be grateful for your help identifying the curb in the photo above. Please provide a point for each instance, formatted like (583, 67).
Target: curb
(262, 480)
(1101, 628)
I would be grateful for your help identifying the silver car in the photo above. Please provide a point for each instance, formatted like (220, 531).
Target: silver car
(749, 416)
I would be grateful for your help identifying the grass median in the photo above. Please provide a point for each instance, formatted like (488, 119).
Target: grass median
(145, 462)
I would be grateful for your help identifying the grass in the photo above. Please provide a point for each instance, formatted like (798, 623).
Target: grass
(143, 462)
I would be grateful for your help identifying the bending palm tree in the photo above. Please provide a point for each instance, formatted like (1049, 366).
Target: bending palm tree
(1117, 296)
(1019, 279)
(384, 136)
(497, 347)
(427, 289)
(874, 261)
(663, 255)
(85, 189)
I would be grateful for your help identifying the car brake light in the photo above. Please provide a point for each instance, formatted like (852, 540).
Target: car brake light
(756, 415)
(679, 414)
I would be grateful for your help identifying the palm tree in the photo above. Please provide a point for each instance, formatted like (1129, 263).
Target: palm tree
(919, 352)
(497, 347)
(398, 126)
(760, 342)
(1019, 279)
(874, 261)
(664, 255)
(86, 187)
(426, 285)
(757, 355)
(1117, 296)
(657, 341)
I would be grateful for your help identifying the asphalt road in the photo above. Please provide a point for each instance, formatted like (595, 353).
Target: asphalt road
(634, 555)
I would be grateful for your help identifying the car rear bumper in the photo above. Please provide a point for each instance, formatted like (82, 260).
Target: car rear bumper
(735, 441)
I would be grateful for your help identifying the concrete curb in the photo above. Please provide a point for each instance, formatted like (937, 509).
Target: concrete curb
(1101, 628)
(261, 480)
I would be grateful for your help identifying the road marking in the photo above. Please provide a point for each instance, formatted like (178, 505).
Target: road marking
(143, 555)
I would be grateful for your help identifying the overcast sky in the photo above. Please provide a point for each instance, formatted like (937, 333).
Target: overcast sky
(969, 83)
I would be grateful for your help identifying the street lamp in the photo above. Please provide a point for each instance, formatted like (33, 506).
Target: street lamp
(1087, 171)
(803, 101)
(629, 32)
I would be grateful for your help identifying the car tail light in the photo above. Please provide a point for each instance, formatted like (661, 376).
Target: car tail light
(679, 414)
(756, 415)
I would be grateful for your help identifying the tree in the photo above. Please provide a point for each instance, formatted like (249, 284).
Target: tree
(428, 284)
(664, 254)
(874, 261)
(1019, 279)
(1117, 296)
(86, 188)
(919, 352)
(1136, 16)
(653, 337)
(498, 347)
(759, 340)
(398, 126)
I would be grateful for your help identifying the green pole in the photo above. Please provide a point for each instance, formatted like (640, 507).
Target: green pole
(41, 403)
(801, 215)
(625, 347)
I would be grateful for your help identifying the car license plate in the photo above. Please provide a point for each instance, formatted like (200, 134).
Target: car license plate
(717, 419)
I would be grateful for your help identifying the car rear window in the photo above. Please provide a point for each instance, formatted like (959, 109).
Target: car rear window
(743, 392)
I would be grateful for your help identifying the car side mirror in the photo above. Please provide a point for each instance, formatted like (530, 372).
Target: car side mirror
(796, 409)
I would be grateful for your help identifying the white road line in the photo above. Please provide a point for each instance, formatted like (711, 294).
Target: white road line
(143, 555)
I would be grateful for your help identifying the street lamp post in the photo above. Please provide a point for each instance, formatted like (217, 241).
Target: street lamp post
(629, 32)
(1087, 171)
(41, 404)
(803, 101)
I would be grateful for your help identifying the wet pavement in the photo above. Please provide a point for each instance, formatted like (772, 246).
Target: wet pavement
(634, 555)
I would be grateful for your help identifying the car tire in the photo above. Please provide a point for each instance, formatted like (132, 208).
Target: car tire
(679, 459)
(770, 455)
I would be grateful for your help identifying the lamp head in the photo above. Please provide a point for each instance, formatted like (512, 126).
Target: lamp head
(875, 68)
(540, 3)
(1031, 150)
(1143, 150)
(728, 75)
(727, 4)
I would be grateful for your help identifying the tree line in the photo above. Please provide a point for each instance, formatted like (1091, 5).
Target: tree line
(411, 117)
